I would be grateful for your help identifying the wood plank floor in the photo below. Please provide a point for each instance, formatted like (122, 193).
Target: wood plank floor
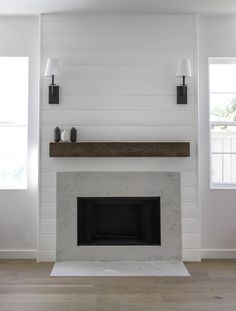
(26, 285)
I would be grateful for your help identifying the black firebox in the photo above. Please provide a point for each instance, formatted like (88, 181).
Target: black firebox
(119, 221)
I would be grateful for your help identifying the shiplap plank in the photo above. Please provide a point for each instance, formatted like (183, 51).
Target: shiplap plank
(118, 164)
(48, 180)
(117, 25)
(119, 73)
(126, 133)
(95, 43)
(189, 179)
(46, 255)
(189, 225)
(189, 209)
(117, 58)
(124, 103)
(118, 88)
(190, 240)
(48, 211)
(48, 226)
(190, 254)
(123, 133)
(48, 195)
(189, 194)
(193, 150)
(47, 241)
(119, 118)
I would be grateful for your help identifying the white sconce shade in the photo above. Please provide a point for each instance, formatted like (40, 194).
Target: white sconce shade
(184, 68)
(52, 67)
(51, 70)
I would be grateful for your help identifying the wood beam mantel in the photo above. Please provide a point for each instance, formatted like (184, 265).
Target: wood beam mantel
(119, 149)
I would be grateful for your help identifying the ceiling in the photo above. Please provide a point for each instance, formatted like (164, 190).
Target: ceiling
(212, 7)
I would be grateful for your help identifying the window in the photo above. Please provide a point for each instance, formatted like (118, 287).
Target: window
(222, 87)
(13, 122)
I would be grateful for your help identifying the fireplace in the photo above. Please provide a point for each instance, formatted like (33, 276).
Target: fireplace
(118, 221)
(143, 209)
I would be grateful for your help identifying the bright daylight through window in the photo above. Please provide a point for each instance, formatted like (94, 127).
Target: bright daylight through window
(13, 122)
(222, 86)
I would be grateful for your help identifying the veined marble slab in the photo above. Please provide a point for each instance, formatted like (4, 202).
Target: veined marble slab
(119, 268)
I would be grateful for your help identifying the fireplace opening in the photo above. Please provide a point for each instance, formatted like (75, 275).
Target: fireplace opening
(118, 221)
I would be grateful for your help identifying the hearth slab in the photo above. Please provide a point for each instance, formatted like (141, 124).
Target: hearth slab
(119, 268)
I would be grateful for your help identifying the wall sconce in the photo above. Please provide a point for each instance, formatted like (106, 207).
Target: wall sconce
(52, 69)
(183, 70)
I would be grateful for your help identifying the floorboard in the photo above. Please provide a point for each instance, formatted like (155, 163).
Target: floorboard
(26, 285)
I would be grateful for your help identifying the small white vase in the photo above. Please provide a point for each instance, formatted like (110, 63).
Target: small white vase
(65, 136)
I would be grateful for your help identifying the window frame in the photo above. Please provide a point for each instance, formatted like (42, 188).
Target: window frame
(218, 185)
(12, 124)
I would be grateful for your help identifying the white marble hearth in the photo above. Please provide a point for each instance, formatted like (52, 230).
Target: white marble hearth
(119, 268)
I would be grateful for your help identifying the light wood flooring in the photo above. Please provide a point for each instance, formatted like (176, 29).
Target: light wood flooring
(27, 286)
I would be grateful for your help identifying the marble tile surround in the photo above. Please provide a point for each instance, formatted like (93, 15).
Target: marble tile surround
(71, 185)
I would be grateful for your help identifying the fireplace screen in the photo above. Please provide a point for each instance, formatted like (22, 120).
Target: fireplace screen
(118, 221)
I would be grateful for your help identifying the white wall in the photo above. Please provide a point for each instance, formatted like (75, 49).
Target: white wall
(217, 38)
(118, 83)
(18, 208)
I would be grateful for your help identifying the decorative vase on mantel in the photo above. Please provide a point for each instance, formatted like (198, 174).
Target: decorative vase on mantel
(73, 135)
(57, 134)
(65, 136)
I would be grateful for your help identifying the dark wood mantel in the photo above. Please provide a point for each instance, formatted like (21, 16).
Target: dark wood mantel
(119, 149)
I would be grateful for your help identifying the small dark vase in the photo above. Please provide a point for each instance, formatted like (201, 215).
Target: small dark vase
(57, 134)
(73, 134)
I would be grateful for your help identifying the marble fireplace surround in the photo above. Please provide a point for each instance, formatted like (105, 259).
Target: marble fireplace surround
(71, 185)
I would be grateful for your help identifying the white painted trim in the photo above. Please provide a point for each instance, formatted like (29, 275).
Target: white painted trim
(18, 253)
(199, 211)
(39, 133)
(222, 186)
(218, 253)
(214, 185)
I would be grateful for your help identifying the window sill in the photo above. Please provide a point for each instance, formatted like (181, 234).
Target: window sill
(222, 186)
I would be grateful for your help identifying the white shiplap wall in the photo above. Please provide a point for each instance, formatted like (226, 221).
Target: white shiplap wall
(118, 82)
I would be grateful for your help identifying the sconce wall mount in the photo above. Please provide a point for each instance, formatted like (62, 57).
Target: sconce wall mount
(183, 70)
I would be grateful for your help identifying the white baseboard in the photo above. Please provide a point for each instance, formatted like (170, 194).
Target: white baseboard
(18, 253)
(218, 253)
